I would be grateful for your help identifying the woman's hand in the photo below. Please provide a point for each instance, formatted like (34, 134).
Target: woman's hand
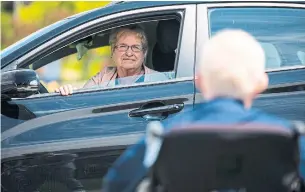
(65, 90)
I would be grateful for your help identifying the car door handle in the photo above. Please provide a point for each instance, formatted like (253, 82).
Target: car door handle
(174, 108)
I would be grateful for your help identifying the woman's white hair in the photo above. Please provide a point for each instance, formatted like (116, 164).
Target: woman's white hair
(115, 34)
(231, 64)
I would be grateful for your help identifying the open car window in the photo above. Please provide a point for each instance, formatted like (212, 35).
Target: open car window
(76, 63)
(72, 70)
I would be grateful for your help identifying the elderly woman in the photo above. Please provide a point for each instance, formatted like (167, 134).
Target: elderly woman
(128, 54)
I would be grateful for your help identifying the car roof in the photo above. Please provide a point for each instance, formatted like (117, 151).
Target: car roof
(27, 44)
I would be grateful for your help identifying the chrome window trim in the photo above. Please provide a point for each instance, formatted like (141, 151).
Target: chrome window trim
(285, 68)
(204, 27)
(250, 4)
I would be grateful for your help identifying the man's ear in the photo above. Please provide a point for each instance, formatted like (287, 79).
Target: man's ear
(262, 84)
(200, 83)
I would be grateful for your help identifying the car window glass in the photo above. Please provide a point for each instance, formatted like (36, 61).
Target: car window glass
(281, 31)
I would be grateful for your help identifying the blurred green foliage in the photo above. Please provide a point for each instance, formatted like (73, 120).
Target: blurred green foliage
(26, 18)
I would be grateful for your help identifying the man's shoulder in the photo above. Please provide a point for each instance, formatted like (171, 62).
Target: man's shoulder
(272, 119)
(197, 115)
(181, 118)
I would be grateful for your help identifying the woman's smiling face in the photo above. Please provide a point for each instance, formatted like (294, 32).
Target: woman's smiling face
(128, 52)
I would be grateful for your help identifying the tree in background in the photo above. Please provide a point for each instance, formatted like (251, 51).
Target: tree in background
(20, 19)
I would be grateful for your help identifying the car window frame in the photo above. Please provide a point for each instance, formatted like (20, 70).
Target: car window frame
(97, 33)
(185, 53)
(90, 49)
(203, 26)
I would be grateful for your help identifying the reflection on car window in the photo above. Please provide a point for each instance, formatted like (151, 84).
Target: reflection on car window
(281, 31)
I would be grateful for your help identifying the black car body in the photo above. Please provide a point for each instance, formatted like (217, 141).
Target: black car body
(55, 143)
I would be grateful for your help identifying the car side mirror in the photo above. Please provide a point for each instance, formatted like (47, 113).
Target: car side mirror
(19, 83)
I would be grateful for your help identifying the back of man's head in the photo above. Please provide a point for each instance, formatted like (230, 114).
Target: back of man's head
(232, 64)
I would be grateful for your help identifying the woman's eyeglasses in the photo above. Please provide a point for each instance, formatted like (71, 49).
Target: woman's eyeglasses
(124, 48)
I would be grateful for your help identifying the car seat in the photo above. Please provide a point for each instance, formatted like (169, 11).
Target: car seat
(164, 55)
(301, 56)
(240, 158)
(273, 58)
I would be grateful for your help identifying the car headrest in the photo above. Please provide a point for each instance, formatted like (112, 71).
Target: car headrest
(301, 56)
(273, 58)
(167, 35)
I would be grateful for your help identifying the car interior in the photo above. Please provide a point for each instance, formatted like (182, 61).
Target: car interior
(162, 41)
(282, 55)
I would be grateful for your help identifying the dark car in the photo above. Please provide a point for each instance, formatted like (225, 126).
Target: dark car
(57, 143)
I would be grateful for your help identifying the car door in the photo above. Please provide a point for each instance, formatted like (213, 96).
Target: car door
(56, 143)
(280, 28)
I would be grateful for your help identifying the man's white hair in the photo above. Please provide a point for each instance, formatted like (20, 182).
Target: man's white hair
(231, 64)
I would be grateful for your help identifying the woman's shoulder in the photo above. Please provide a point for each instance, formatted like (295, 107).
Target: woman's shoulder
(152, 75)
(105, 70)
(109, 69)
(101, 77)
(149, 70)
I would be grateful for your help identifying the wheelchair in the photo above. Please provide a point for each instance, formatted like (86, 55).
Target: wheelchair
(230, 158)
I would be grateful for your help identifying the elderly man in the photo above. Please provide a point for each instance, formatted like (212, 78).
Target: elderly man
(129, 47)
(231, 73)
